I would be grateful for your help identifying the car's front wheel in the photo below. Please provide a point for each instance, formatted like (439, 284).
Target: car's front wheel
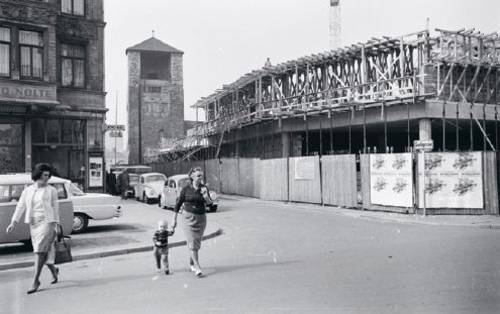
(80, 223)
(145, 198)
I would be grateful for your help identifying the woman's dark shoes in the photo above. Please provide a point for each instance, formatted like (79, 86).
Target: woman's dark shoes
(56, 276)
(34, 288)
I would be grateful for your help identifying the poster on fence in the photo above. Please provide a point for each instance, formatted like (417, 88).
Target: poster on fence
(452, 180)
(304, 168)
(96, 172)
(391, 179)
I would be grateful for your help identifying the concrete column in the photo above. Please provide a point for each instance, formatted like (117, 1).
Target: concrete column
(285, 144)
(27, 146)
(424, 129)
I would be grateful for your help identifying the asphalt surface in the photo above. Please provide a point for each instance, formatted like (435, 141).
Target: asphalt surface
(134, 229)
(276, 258)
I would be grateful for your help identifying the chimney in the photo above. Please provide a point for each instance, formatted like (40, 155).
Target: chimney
(335, 25)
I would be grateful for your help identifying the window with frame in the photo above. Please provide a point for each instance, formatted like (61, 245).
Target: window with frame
(31, 54)
(4, 51)
(72, 65)
(74, 7)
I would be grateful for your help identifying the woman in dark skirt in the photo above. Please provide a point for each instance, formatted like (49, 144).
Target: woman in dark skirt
(194, 197)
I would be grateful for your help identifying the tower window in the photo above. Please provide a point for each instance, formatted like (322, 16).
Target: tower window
(155, 66)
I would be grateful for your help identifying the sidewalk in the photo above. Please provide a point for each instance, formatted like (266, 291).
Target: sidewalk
(131, 233)
(475, 221)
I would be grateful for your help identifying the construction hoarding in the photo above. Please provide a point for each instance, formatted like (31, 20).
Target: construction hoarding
(452, 180)
(391, 179)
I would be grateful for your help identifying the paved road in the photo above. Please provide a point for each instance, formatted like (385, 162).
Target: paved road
(286, 259)
(134, 229)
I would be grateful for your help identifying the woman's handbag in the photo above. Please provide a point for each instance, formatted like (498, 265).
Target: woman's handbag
(62, 249)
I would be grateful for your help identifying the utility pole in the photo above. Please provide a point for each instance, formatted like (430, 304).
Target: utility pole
(116, 121)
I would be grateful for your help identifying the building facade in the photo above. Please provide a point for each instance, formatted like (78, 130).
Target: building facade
(155, 97)
(52, 95)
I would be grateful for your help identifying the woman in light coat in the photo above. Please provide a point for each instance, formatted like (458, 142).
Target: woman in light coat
(39, 202)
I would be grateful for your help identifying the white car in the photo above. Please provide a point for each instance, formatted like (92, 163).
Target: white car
(173, 187)
(95, 206)
(11, 187)
(150, 186)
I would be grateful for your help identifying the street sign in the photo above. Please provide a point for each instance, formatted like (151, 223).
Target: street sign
(115, 134)
(115, 127)
(425, 146)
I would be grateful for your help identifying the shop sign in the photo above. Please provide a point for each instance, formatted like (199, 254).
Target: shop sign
(391, 179)
(27, 92)
(452, 180)
(96, 175)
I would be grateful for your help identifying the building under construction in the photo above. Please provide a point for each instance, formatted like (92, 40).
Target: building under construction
(377, 96)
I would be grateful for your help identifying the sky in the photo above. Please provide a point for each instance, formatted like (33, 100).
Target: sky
(224, 39)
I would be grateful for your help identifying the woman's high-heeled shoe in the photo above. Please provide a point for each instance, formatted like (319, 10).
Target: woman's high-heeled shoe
(34, 288)
(198, 273)
(56, 277)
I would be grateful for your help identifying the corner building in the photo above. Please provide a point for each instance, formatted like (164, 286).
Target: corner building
(52, 98)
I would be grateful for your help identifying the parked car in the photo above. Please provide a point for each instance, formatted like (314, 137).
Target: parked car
(95, 206)
(133, 177)
(11, 187)
(150, 186)
(173, 187)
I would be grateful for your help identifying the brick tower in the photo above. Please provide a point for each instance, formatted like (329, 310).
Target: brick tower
(155, 96)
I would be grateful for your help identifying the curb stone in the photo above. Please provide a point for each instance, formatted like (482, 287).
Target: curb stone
(123, 251)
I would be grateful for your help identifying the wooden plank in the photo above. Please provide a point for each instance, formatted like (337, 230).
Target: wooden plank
(339, 180)
(309, 190)
(490, 183)
(365, 180)
(273, 178)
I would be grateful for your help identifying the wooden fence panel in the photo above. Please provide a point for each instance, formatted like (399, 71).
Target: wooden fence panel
(273, 179)
(248, 177)
(490, 183)
(229, 175)
(304, 179)
(212, 174)
(339, 180)
(365, 179)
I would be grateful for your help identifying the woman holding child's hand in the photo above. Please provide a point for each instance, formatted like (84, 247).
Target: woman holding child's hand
(193, 215)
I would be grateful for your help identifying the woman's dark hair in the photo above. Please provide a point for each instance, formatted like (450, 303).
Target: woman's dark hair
(192, 170)
(39, 169)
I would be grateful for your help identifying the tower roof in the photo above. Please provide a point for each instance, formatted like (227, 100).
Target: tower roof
(153, 44)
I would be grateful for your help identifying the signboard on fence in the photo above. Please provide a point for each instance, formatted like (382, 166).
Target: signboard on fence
(304, 168)
(452, 180)
(391, 179)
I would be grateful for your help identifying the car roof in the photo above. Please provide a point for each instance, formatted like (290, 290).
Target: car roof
(152, 174)
(178, 177)
(25, 178)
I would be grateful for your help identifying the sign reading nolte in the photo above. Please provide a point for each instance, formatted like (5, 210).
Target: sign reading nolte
(391, 181)
(19, 92)
(452, 180)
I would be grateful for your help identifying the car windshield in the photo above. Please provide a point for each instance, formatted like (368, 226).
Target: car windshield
(155, 178)
(184, 182)
(75, 191)
(133, 178)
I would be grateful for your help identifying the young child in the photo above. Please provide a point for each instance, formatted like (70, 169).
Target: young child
(160, 240)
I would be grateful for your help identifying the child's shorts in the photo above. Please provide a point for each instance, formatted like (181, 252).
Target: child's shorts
(161, 250)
